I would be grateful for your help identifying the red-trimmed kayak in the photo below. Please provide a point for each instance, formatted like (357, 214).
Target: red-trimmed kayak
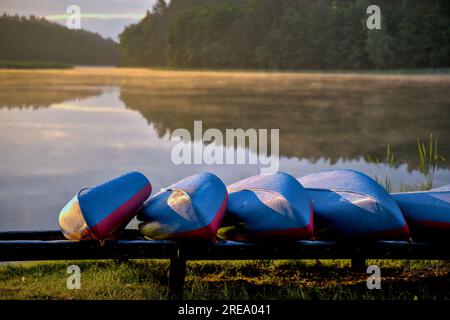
(427, 212)
(99, 212)
(349, 204)
(267, 207)
(192, 208)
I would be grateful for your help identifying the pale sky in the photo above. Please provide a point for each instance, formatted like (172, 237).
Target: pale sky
(112, 15)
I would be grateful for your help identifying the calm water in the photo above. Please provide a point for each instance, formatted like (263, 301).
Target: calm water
(61, 131)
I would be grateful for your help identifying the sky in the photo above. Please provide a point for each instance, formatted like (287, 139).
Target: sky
(106, 17)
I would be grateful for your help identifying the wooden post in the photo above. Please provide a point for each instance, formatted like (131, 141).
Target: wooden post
(358, 264)
(177, 273)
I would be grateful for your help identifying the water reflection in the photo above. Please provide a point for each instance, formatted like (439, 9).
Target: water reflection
(42, 97)
(323, 121)
(54, 141)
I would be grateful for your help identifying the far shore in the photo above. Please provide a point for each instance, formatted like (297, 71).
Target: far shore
(34, 65)
(37, 65)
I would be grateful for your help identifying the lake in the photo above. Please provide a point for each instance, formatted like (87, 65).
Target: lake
(63, 130)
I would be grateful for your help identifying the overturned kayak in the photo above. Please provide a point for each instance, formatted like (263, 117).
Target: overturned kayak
(101, 211)
(267, 207)
(190, 209)
(349, 204)
(427, 212)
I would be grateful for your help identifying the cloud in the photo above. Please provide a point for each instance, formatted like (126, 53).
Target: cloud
(50, 7)
(107, 17)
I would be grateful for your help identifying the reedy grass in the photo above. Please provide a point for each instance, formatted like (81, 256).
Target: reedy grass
(385, 165)
(428, 160)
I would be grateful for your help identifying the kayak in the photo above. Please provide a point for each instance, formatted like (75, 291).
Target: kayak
(349, 204)
(427, 212)
(267, 207)
(102, 211)
(191, 209)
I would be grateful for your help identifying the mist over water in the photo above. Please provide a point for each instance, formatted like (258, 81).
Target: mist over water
(59, 133)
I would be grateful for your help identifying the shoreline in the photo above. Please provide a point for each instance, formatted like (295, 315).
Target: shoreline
(403, 73)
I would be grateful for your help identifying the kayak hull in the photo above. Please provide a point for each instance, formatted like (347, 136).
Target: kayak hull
(102, 211)
(267, 208)
(427, 212)
(191, 209)
(349, 204)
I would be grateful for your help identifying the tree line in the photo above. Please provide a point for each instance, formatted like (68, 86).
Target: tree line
(289, 35)
(36, 39)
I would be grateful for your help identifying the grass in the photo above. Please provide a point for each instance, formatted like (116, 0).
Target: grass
(428, 159)
(306, 279)
(389, 162)
(33, 65)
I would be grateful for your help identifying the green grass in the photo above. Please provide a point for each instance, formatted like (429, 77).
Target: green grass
(33, 65)
(385, 166)
(428, 159)
(306, 279)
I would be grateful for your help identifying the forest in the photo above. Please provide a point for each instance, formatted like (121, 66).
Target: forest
(289, 35)
(36, 39)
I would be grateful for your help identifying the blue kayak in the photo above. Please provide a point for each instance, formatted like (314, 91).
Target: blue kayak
(267, 207)
(191, 209)
(101, 212)
(427, 212)
(349, 204)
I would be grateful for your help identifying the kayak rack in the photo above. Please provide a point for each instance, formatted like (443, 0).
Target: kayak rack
(50, 245)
